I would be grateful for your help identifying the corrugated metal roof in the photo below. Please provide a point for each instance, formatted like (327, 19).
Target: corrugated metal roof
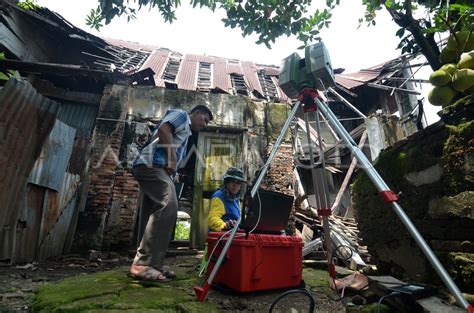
(250, 73)
(51, 166)
(221, 77)
(352, 80)
(234, 68)
(187, 75)
(26, 118)
(157, 62)
(130, 44)
(221, 70)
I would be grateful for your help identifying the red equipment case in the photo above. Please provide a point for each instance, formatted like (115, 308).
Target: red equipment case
(260, 262)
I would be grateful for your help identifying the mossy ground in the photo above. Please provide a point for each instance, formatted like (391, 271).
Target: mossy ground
(113, 291)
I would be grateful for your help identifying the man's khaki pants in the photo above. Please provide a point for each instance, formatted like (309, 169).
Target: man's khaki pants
(158, 212)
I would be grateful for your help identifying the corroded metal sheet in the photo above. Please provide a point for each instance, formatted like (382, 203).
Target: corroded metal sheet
(187, 76)
(26, 119)
(29, 224)
(234, 68)
(82, 117)
(57, 217)
(79, 155)
(157, 62)
(52, 242)
(50, 167)
(250, 74)
(221, 79)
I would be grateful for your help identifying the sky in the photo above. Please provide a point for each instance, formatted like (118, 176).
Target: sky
(201, 31)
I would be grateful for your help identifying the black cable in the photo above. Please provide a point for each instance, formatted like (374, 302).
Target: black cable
(303, 291)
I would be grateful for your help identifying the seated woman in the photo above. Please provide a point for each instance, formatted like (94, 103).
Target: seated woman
(225, 207)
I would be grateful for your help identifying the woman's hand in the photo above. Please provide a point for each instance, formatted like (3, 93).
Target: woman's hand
(229, 224)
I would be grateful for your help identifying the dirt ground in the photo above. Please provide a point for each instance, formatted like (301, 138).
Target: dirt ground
(18, 283)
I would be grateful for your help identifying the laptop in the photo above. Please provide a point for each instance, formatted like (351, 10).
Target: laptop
(274, 209)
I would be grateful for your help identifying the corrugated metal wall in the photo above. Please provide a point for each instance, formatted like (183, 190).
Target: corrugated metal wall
(26, 119)
(43, 170)
(51, 166)
(49, 200)
(80, 116)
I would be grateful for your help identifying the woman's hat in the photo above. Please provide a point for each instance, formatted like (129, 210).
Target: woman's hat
(234, 173)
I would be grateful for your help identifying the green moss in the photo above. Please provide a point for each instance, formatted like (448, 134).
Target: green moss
(317, 279)
(79, 287)
(461, 268)
(374, 307)
(114, 291)
(458, 111)
(459, 144)
(250, 113)
(277, 116)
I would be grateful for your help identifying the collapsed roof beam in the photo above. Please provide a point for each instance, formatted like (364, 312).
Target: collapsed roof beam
(388, 88)
(350, 105)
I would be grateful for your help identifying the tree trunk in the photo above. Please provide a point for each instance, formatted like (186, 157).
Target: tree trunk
(427, 45)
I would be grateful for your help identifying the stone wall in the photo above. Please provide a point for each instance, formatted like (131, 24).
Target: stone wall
(432, 171)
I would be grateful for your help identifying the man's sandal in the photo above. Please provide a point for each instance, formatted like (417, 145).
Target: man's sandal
(167, 272)
(150, 274)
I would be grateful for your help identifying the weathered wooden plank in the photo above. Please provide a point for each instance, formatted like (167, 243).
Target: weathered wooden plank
(11, 42)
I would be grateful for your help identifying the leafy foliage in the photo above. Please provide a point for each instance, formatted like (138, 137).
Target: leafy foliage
(9, 73)
(28, 5)
(269, 19)
(419, 20)
(182, 231)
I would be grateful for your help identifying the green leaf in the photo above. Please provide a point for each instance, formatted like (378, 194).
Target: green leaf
(3, 76)
(400, 32)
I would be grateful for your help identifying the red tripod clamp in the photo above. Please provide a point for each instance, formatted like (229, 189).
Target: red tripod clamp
(306, 96)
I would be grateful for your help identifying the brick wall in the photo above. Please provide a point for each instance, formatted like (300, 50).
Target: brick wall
(280, 176)
(103, 164)
(118, 234)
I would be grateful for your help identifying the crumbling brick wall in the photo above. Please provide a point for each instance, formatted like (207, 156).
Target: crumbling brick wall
(280, 177)
(119, 229)
(103, 164)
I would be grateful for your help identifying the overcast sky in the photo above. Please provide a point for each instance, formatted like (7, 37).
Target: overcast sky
(199, 31)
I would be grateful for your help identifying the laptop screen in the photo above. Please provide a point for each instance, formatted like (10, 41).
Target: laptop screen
(274, 209)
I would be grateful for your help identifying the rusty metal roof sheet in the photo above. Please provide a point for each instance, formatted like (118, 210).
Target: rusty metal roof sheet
(187, 74)
(353, 80)
(221, 70)
(157, 62)
(130, 45)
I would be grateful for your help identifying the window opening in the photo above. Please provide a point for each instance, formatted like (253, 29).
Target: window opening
(171, 70)
(238, 84)
(204, 80)
(268, 87)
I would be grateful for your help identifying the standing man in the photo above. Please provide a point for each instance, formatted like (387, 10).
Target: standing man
(154, 169)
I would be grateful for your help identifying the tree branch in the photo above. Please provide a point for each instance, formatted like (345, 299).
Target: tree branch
(427, 47)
